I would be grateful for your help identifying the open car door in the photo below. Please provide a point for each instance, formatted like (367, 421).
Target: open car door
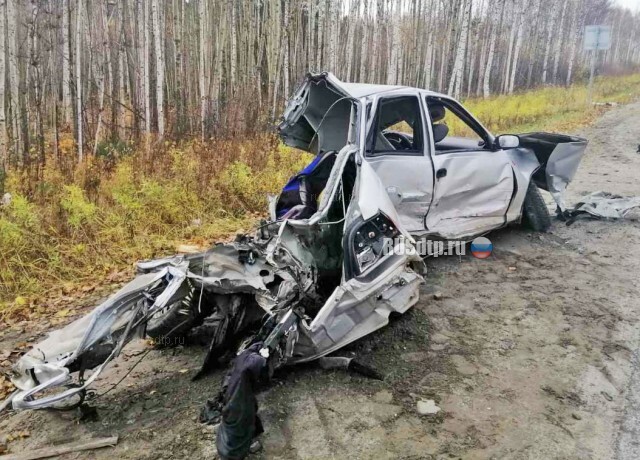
(396, 149)
(474, 183)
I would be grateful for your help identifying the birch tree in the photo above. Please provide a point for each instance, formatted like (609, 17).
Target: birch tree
(3, 120)
(157, 38)
(455, 82)
(486, 90)
(79, 139)
(66, 63)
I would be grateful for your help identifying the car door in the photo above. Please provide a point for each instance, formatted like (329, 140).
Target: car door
(474, 183)
(397, 150)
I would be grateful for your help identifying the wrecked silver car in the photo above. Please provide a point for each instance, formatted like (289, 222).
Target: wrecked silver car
(389, 161)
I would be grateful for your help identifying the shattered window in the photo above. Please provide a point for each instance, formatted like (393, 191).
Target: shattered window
(397, 127)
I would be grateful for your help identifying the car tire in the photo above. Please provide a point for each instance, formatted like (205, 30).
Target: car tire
(535, 214)
(169, 326)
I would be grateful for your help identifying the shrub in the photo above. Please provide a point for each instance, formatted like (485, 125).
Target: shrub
(79, 211)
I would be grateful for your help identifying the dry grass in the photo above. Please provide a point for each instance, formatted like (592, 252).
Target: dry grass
(554, 108)
(68, 232)
(71, 227)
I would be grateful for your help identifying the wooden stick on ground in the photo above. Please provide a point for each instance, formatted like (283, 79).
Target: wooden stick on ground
(63, 449)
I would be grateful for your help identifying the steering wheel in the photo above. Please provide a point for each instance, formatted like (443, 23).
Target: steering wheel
(398, 140)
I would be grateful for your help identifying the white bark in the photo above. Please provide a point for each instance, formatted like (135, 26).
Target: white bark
(516, 52)
(574, 37)
(351, 31)
(558, 42)
(285, 49)
(392, 67)
(364, 45)
(333, 35)
(234, 46)
(66, 64)
(80, 139)
(547, 47)
(14, 83)
(158, 45)
(146, 70)
(455, 83)
(510, 11)
(98, 72)
(3, 121)
(201, 76)
(486, 89)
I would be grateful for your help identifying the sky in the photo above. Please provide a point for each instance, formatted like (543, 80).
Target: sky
(633, 5)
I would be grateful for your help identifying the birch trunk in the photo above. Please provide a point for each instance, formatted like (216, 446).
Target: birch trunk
(158, 45)
(558, 43)
(516, 52)
(146, 69)
(458, 66)
(285, 49)
(392, 67)
(364, 45)
(4, 154)
(547, 47)
(234, 46)
(79, 79)
(486, 89)
(66, 63)
(202, 70)
(574, 36)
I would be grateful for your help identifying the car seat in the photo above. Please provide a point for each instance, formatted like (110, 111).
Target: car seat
(299, 198)
(440, 130)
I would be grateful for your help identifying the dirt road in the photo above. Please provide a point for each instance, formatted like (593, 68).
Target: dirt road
(531, 354)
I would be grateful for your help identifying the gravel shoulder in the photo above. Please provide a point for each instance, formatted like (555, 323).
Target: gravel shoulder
(530, 354)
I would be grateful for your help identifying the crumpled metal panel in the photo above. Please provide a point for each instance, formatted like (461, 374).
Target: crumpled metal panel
(474, 196)
(560, 156)
(409, 185)
(372, 196)
(561, 168)
(48, 361)
(607, 205)
(356, 309)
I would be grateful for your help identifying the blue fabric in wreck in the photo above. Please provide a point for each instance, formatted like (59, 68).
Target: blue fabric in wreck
(294, 183)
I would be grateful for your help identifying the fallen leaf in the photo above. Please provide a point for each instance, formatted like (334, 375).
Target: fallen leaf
(21, 301)
(63, 313)
(183, 371)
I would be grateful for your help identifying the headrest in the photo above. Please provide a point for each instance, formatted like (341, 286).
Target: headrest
(436, 112)
(440, 131)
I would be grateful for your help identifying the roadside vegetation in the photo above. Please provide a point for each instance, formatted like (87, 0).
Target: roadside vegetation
(80, 227)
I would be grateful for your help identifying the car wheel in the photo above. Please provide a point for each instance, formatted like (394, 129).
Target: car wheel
(535, 214)
(169, 325)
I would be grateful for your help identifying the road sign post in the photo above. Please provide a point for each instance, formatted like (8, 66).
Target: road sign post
(596, 38)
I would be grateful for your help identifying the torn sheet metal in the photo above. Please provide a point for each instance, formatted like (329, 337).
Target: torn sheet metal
(607, 205)
(559, 156)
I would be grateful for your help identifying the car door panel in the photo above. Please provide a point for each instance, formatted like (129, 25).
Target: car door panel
(408, 181)
(474, 195)
(474, 185)
(406, 176)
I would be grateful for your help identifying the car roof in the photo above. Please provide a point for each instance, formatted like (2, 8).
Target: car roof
(359, 90)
